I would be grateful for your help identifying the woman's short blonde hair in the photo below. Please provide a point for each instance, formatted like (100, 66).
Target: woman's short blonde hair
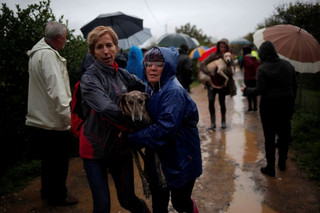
(96, 33)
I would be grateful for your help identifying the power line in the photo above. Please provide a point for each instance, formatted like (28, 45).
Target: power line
(145, 1)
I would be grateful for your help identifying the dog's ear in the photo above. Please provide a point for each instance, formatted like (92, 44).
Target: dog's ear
(123, 95)
(122, 100)
(147, 97)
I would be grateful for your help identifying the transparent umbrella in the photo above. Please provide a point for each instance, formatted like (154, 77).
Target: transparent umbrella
(241, 41)
(176, 39)
(136, 39)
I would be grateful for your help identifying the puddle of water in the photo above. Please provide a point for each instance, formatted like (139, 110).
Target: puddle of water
(244, 197)
(241, 147)
(205, 141)
(251, 153)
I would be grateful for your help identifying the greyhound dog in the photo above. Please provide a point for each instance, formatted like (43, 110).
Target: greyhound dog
(133, 106)
(221, 66)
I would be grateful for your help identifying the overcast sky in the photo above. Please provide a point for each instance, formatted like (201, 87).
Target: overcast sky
(231, 19)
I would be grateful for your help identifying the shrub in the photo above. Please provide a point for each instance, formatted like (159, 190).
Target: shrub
(17, 177)
(18, 33)
(306, 135)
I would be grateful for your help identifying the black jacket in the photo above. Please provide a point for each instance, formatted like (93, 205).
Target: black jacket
(184, 69)
(276, 77)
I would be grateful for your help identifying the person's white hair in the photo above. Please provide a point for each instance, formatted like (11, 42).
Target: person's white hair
(53, 29)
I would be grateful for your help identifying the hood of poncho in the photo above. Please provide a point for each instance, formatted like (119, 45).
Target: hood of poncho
(267, 52)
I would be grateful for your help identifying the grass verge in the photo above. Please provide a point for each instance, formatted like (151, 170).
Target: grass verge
(16, 178)
(306, 143)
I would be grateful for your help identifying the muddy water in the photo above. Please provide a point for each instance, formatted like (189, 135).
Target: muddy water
(241, 147)
(231, 181)
(235, 145)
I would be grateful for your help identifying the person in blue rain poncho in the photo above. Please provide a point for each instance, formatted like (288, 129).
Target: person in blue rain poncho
(173, 134)
(134, 63)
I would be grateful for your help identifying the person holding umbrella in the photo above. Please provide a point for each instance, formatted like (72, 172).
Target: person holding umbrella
(100, 144)
(277, 85)
(173, 134)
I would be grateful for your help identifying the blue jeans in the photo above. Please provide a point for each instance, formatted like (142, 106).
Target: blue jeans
(121, 170)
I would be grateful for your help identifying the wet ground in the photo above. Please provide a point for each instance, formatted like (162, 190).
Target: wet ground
(231, 181)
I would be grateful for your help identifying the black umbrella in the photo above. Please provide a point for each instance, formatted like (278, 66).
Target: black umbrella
(124, 25)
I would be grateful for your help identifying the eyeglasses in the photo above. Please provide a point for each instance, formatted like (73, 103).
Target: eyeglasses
(157, 64)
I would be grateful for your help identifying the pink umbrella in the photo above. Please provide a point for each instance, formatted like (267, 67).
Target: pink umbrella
(207, 53)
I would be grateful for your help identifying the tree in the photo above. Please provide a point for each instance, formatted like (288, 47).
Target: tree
(192, 31)
(18, 33)
(304, 15)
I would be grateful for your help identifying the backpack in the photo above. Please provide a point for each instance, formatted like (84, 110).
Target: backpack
(76, 111)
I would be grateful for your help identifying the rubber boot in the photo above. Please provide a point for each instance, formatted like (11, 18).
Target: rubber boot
(223, 121)
(213, 123)
(195, 208)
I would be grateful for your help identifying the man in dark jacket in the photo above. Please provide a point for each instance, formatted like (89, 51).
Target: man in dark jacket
(184, 69)
(277, 86)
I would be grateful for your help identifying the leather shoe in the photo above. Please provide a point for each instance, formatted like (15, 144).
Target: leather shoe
(268, 171)
(69, 200)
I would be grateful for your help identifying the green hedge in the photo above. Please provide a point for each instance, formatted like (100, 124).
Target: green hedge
(306, 143)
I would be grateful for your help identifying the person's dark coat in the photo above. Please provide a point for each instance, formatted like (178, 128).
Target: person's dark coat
(276, 77)
(184, 69)
(277, 86)
(174, 134)
(88, 59)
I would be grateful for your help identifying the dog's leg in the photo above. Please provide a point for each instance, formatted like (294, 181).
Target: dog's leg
(221, 72)
(162, 178)
(145, 184)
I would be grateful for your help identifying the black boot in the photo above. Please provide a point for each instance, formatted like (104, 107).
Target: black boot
(282, 166)
(223, 121)
(213, 123)
(268, 171)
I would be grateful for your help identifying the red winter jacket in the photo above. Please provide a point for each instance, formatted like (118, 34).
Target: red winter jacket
(250, 65)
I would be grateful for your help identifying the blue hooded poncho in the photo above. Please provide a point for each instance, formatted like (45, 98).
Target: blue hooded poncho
(134, 63)
(173, 133)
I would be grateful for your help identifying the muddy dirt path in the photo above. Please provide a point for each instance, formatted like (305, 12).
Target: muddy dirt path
(231, 181)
